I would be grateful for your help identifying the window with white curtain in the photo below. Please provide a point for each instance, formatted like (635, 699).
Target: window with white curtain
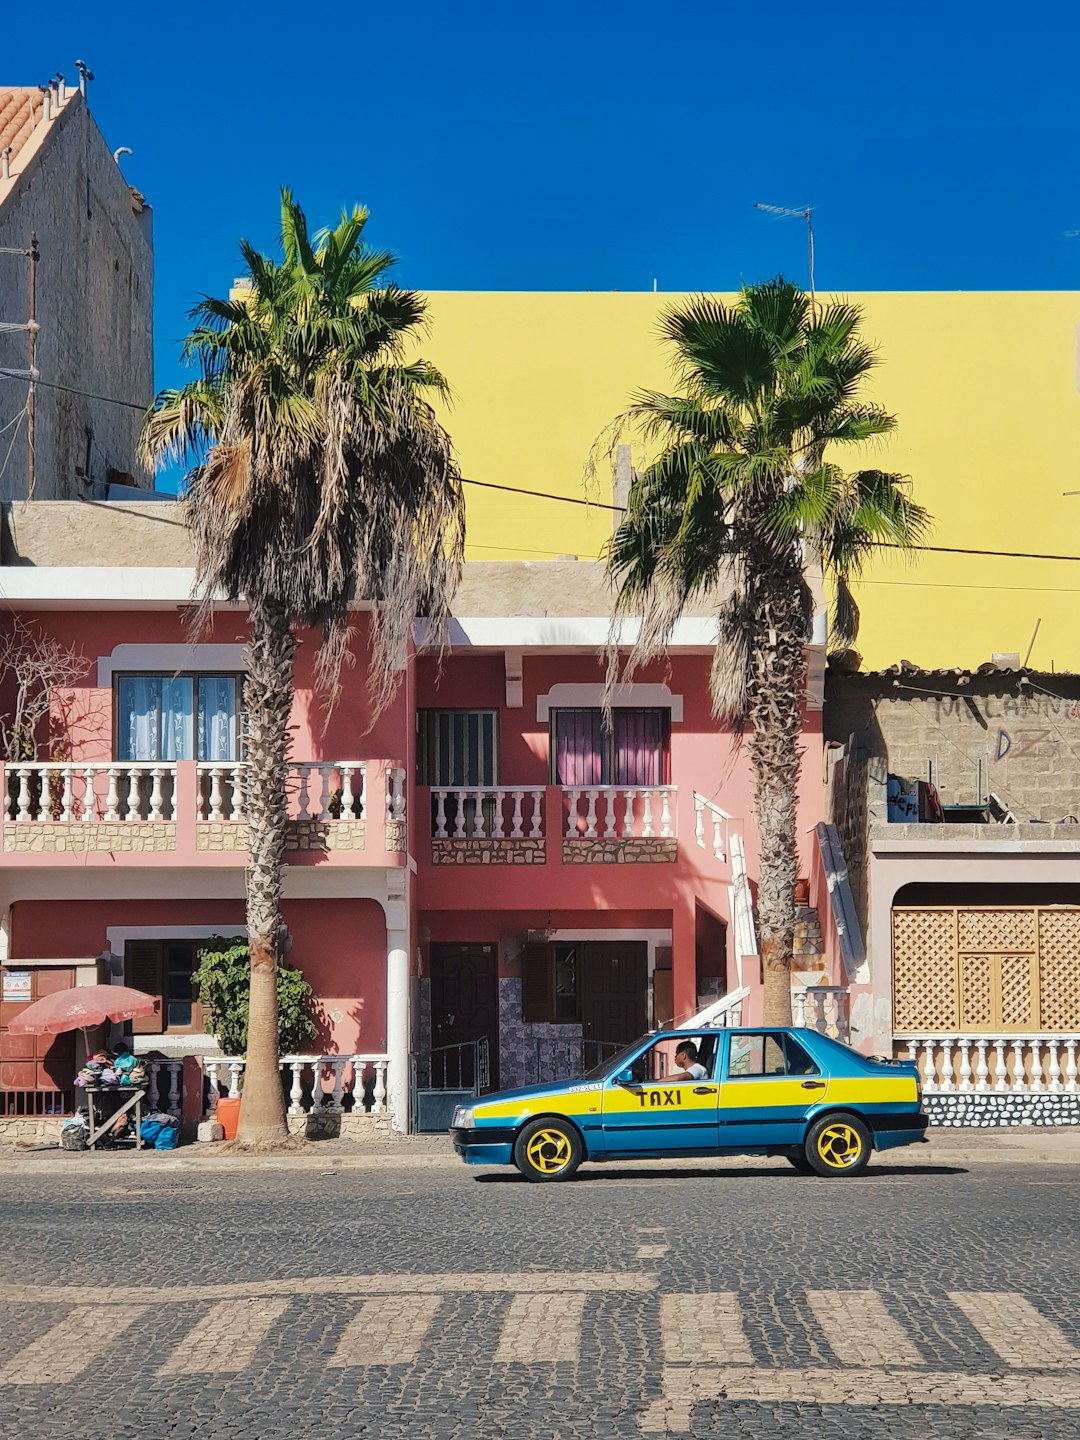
(177, 717)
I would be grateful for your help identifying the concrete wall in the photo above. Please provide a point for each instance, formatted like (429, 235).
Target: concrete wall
(95, 283)
(134, 534)
(537, 377)
(1025, 734)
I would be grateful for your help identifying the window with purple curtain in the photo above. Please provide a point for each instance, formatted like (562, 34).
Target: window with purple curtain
(580, 748)
(640, 747)
(633, 752)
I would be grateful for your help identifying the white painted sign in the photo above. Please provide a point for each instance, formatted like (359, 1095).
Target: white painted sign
(16, 985)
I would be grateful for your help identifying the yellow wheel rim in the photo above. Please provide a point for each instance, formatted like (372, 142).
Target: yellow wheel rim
(548, 1151)
(839, 1146)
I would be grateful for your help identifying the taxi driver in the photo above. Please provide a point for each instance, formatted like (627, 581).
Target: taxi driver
(689, 1068)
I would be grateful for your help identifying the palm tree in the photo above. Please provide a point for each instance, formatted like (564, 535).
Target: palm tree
(321, 478)
(738, 505)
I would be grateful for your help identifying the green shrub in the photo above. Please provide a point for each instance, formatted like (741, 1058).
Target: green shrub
(221, 982)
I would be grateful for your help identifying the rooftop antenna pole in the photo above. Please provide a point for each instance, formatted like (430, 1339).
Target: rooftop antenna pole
(803, 214)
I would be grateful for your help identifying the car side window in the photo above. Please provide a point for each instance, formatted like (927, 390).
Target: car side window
(658, 1062)
(798, 1058)
(767, 1056)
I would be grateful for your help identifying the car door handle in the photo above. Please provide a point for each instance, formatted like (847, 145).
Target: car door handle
(813, 1084)
(704, 1089)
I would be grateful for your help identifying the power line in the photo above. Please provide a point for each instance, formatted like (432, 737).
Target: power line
(24, 376)
(546, 495)
(586, 503)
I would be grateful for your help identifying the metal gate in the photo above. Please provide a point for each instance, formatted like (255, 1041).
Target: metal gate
(986, 969)
(442, 1079)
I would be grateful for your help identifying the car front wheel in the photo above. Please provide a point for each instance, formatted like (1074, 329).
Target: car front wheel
(837, 1145)
(548, 1150)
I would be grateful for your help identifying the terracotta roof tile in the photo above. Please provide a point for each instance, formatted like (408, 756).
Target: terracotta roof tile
(20, 110)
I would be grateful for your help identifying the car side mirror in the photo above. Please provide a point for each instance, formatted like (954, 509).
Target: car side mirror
(624, 1077)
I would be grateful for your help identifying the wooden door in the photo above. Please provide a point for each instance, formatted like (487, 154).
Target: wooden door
(37, 1062)
(465, 998)
(614, 990)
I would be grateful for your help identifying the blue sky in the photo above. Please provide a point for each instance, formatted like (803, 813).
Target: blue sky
(592, 146)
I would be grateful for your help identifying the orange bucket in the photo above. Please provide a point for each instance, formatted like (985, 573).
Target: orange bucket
(227, 1115)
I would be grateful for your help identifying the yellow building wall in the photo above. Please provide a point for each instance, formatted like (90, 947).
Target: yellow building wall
(985, 390)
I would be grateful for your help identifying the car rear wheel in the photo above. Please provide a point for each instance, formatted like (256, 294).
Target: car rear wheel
(838, 1145)
(548, 1150)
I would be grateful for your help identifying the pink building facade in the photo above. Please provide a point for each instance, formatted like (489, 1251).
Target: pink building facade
(492, 860)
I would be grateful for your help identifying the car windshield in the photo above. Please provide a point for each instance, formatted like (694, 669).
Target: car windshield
(617, 1061)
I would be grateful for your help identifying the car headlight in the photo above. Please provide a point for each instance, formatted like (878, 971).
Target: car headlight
(463, 1118)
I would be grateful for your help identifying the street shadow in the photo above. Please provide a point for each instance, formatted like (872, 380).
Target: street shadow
(608, 1173)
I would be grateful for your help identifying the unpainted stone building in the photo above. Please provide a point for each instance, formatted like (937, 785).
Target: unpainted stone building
(93, 297)
(956, 798)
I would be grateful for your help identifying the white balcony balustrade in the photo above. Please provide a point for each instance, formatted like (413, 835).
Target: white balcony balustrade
(994, 1064)
(611, 812)
(710, 826)
(128, 792)
(723, 1014)
(114, 792)
(165, 1086)
(314, 1084)
(823, 1008)
(325, 791)
(493, 812)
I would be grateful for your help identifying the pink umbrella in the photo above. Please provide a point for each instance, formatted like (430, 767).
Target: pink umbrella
(81, 1008)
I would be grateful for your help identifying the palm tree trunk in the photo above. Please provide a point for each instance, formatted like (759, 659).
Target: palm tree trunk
(775, 695)
(268, 692)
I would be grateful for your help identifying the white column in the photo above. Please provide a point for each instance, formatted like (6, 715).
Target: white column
(378, 1094)
(67, 804)
(516, 830)
(646, 814)
(304, 800)
(324, 772)
(216, 812)
(665, 813)
(590, 815)
(497, 819)
(24, 794)
(112, 802)
(156, 797)
(982, 1070)
(536, 831)
(397, 1023)
(347, 793)
(440, 814)
(238, 812)
(296, 1092)
(89, 805)
(1070, 1066)
(571, 813)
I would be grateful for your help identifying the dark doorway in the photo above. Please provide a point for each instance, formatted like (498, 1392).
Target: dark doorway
(614, 990)
(465, 998)
(710, 956)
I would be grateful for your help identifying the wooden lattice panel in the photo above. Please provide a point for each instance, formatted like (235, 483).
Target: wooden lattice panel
(924, 970)
(1018, 1008)
(1059, 970)
(977, 991)
(984, 930)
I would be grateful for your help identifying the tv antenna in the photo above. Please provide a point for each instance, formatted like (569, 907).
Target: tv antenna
(804, 214)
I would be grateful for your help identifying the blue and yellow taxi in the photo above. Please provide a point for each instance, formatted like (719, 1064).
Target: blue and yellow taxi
(766, 1091)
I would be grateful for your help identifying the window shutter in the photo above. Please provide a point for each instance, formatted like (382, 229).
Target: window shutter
(537, 984)
(143, 967)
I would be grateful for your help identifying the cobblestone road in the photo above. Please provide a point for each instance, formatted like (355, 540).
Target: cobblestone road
(433, 1301)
